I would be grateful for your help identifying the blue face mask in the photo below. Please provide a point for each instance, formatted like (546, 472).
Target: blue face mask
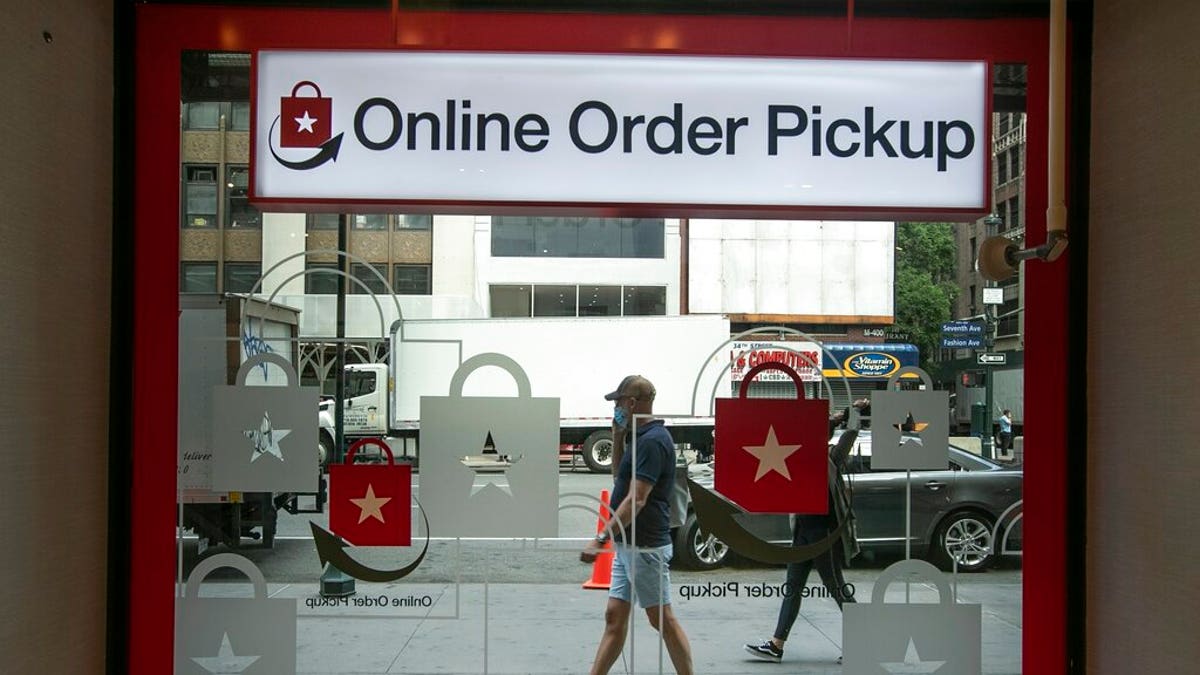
(620, 417)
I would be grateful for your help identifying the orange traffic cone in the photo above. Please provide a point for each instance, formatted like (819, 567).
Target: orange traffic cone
(602, 567)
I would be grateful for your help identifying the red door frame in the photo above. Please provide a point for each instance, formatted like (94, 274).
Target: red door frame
(163, 31)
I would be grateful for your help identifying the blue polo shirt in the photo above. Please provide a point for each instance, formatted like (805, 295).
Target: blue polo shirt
(655, 465)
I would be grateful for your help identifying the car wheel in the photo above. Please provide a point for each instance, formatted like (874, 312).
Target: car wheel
(965, 537)
(696, 550)
(598, 451)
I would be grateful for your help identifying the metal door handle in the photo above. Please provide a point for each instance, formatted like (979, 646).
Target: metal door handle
(935, 485)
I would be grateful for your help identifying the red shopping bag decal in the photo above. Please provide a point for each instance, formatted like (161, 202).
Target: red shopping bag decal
(370, 504)
(771, 455)
(305, 121)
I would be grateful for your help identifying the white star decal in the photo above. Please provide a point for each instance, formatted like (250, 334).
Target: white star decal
(771, 455)
(493, 466)
(225, 663)
(305, 123)
(370, 506)
(912, 664)
(911, 426)
(266, 439)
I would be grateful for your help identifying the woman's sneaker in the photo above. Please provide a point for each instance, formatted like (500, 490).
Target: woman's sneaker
(766, 651)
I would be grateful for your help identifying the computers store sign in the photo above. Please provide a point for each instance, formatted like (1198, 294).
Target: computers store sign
(394, 126)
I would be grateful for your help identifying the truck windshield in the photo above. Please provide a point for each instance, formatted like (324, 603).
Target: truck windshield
(359, 383)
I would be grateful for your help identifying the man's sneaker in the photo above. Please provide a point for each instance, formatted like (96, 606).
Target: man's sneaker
(766, 651)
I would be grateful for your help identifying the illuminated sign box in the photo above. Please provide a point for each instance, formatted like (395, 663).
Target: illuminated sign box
(394, 127)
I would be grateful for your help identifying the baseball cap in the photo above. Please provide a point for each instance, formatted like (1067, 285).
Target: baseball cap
(617, 393)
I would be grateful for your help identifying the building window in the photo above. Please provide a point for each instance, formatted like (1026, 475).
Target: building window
(645, 301)
(239, 116)
(410, 222)
(370, 221)
(599, 301)
(412, 279)
(1014, 212)
(974, 249)
(551, 300)
(362, 272)
(323, 221)
(198, 277)
(1014, 161)
(238, 212)
(240, 277)
(1002, 168)
(552, 237)
(510, 301)
(201, 116)
(1005, 123)
(199, 195)
(321, 282)
(1009, 315)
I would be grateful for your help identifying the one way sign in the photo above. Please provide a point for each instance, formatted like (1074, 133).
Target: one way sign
(991, 359)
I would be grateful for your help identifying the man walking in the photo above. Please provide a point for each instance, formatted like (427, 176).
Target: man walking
(641, 526)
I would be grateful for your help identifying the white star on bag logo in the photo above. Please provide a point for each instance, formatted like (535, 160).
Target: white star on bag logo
(225, 662)
(771, 455)
(493, 466)
(305, 123)
(912, 664)
(265, 439)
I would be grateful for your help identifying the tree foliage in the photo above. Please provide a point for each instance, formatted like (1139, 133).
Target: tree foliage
(925, 287)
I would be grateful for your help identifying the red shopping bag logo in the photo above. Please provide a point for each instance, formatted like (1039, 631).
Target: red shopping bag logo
(771, 455)
(370, 504)
(305, 121)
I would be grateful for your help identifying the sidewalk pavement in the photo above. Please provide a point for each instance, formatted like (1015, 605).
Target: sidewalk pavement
(536, 629)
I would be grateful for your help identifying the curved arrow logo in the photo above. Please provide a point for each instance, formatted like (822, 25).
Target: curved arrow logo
(332, 549)
(328, 152)
(716, 517)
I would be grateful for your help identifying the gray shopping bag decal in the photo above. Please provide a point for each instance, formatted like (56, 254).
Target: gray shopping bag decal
(942, 637)
(489, 464)
(253, 635)
(910, 429)
(265, 437)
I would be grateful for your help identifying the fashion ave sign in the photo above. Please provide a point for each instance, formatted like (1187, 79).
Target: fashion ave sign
(376, 127)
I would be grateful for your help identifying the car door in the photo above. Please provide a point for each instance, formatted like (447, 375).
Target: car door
(879, 499)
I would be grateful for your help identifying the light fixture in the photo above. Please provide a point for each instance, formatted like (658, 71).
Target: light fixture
(999, 257)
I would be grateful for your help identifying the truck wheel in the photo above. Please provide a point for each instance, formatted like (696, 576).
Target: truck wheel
(324, 449)
(597, 451)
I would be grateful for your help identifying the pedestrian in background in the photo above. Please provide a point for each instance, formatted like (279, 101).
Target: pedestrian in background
(1005, 435)
(641, 526)
(810, 529)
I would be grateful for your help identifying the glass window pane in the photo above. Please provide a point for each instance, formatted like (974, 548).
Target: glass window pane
(510, 300)
(198, 277)
(239, 116)
(321, 282)
(599, 301)
(323, 221)
(239, 213)
(411, 222)
(645, 300)
(204, 115)
(600, 238)
(376, 221)
(642, 237)
(554, 300)
(512, 236)
(362, 272)
(556, 237)
(241, 277)
(411, 280)
(200, 196)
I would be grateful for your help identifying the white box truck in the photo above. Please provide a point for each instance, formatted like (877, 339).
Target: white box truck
(577, 360)
(214, 340)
